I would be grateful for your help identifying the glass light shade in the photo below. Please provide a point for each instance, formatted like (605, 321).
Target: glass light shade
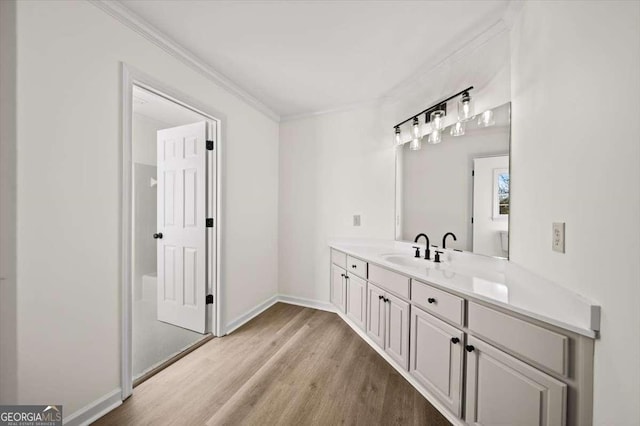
(437, 119)
(416, 144)
(398, 136)
(458, 129)
(486, 119)
(416, 128)
(435, 137)
(465, 107)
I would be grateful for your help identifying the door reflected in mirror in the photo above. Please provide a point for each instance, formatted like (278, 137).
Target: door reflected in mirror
(461, 185)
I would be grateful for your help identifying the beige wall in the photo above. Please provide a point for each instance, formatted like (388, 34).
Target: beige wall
(572, 62)
(69, 55)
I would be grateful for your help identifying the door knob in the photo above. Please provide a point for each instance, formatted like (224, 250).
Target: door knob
(158, 235)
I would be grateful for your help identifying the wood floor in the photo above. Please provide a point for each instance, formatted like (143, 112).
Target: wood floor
(289, 366)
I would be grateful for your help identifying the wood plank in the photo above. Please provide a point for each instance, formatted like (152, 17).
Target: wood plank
(289, 365)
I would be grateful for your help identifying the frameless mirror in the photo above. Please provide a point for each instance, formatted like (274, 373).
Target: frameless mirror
(459, 185)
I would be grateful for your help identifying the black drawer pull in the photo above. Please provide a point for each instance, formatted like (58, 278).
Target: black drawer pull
(454, 340)
(354, 266)
(469, 348)
(431, 300)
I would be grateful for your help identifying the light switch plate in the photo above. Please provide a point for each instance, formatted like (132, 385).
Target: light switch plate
(558, 237)
(356, 220)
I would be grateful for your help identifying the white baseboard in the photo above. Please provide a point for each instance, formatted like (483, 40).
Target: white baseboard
(249, 315)
(408, 377)
(94, 410)
(308, 303)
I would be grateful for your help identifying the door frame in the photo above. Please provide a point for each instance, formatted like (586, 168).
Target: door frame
(133, 77)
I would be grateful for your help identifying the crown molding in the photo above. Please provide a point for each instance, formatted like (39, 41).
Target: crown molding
(127, 17)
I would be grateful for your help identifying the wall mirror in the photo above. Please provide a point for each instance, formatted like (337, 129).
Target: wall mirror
(459, 185)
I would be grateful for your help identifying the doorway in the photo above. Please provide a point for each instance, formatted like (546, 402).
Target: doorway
(170, 235)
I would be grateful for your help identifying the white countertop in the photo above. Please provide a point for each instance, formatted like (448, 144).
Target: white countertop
(492, 280)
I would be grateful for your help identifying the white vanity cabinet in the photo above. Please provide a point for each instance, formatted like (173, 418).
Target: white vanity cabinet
(388, 323)
(338, 293)
(356, 307)
(501, 390)
(479, 362)
(436, 357)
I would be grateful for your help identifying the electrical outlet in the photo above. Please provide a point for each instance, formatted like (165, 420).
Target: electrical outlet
(356, 220)
(558, 237)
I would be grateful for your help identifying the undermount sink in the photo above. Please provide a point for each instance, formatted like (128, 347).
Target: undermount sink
(406, 260)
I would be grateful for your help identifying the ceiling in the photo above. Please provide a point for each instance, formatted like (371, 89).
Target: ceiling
(299, 57)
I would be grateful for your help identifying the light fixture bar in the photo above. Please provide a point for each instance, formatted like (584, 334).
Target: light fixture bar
(434, 106)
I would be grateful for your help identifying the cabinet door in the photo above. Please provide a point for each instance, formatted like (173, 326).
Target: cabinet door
(397, 330)
(502, 390)
(375, 314)
(436, 357)
(338, 287)
(356, 299)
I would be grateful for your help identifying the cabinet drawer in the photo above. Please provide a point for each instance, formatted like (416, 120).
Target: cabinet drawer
(339, 258)
(537, 344)
(357, 266)
(438, 302)
(395, 283)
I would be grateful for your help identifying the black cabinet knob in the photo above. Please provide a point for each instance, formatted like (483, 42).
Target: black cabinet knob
(454, 340)
(353, 266)
(380, 297)
(431, 300)
(469, 348)
(158, 236)
(342, 275)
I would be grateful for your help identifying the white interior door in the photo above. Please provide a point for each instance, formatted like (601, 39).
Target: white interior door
(182, 232)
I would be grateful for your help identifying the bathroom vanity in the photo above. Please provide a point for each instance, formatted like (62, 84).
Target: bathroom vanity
(484, 340)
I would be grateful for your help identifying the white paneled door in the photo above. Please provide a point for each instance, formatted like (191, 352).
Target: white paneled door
(182, 234)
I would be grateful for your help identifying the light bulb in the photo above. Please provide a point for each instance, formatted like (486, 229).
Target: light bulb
(435, 137)
(486, 119)
(458, 129)
(465, 107)
(437, 119)
(398, 136)
(416, 128)
(415, 144)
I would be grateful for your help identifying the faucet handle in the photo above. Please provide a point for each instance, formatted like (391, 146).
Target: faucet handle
(437, 259)
(417, 251)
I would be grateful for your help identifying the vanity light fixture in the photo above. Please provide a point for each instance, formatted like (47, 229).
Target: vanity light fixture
(435, 137)
(416, 128)
(437, 119)
(398, 137)
(486, 119)
(434, 120)
(458, 129)
(465, 107)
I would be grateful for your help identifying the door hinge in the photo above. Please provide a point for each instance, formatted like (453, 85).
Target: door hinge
(210, 145)
(210, 222)
(209, 299)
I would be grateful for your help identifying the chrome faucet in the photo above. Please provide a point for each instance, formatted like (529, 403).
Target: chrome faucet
(427, 253)
(444, 239)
